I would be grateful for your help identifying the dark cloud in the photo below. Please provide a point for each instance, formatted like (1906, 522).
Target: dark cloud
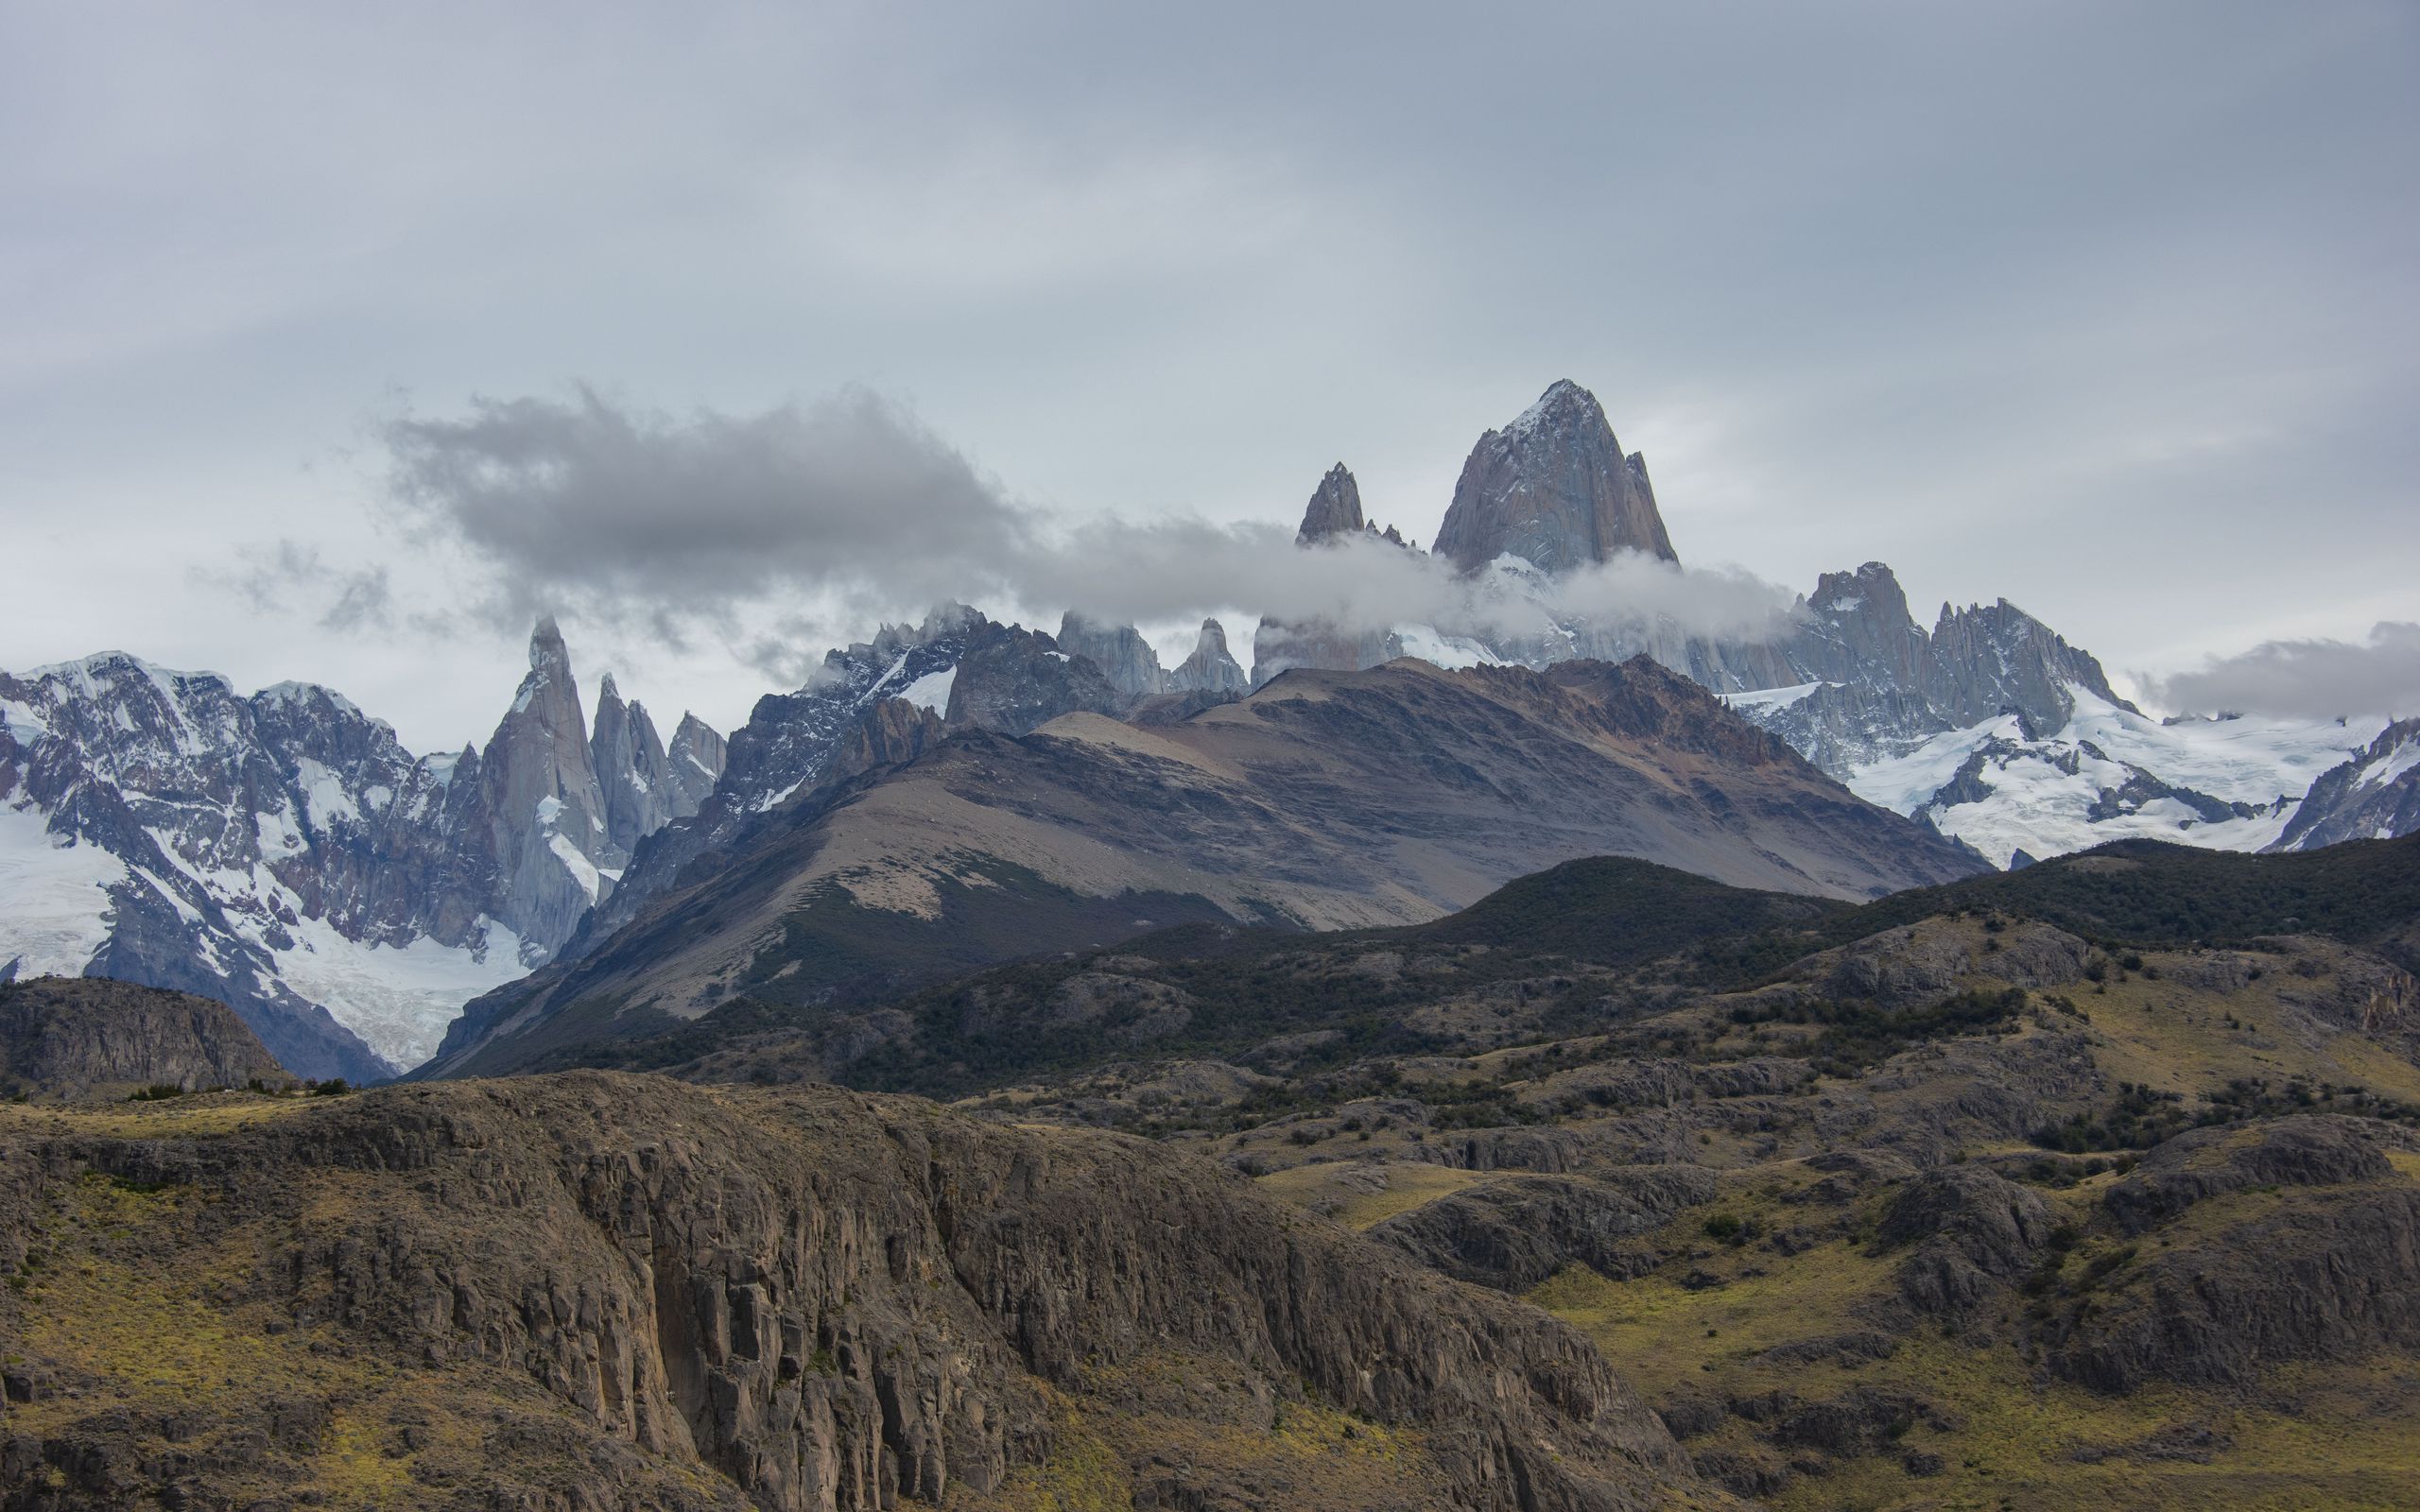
(629, 513)
(852, 502)
(2316, 679)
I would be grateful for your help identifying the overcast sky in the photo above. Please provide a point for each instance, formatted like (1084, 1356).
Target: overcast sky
(2108, 308)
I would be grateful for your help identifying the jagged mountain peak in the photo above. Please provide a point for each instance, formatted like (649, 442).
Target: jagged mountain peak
(1554, 488)
(1335, 508)
(1211, 668)
(1563, 404)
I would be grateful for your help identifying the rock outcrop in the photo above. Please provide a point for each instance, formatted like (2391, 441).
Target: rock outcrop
(544, 806)
(1331, 519)
(1335, 508)
(81, 1037)
(669, 1297)
(2304, 1246)
(1512, 1233)
(1972, 1232)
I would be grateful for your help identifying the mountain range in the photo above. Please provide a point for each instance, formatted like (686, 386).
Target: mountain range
(283, 851)
(284, 854)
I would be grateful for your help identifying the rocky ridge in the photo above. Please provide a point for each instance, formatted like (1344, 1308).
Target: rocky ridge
(2373, 796)
(1322, 800)
(600, 1292)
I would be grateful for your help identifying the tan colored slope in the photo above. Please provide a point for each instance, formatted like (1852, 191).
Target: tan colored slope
(1326, 799)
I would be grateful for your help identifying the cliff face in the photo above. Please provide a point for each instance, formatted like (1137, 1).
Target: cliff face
(610, 1292)
(1118, 651)
(1210, 668)
(1553, 489)
(78, 1036)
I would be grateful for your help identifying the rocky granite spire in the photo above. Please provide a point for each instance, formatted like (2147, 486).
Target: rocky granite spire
(632, 768)
(695, 757)
(1335, 508)
(545, 810)
(1210, 668)
(1554, 488)
(1119, 651)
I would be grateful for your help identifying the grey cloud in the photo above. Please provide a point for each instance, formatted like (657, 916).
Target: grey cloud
(629, 513)
(852, 504)
(291, 576)
(2315, 678)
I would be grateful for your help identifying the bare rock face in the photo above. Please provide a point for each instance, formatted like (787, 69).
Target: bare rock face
(1015, 681)
(697, 756)
(633, 770)
(2303, 1247)
(795, 1301)
(80, 1037)
(1335, 508)
(1553, 489)
(1210, 668)
(545, 808)
(1119, 651)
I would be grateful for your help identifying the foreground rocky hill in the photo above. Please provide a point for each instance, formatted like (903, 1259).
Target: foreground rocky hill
(611, 1292)
(1323, 801)
(2092, 1184)
(83, 1037)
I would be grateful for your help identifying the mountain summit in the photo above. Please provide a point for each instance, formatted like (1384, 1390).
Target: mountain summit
(1554, 488)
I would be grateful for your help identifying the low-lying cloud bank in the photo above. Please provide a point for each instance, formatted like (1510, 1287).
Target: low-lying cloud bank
(853, 503)
(2318, 679)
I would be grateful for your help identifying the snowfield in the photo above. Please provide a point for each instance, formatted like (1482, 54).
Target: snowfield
(2036, 803)
(57, 896)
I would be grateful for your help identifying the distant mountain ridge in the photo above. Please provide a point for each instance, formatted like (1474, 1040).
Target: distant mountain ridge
(1991, 726)
(285, 854)
(1324, 799)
